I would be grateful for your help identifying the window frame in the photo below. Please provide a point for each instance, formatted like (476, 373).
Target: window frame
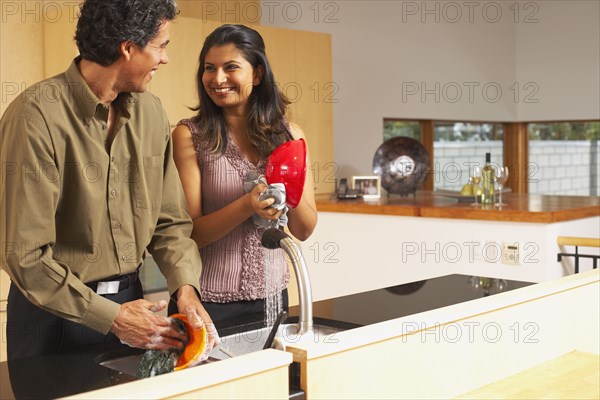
(515, 147)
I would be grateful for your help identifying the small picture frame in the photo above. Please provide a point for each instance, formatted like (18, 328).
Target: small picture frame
(369, 187)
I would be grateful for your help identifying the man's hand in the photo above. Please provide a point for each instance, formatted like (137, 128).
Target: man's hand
(189, 304)
(136, 325)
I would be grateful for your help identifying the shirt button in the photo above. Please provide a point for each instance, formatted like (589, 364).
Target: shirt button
(113, 192)
(103, 125)
(117, 225)
(124, 258)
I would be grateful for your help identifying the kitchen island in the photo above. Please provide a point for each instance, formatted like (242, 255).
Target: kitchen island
(458, 350)
(439, 353)
(78, 373)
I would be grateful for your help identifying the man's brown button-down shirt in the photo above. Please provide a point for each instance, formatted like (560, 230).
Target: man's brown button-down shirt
(77, 207)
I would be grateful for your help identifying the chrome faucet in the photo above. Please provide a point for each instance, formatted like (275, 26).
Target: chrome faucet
(273, 239)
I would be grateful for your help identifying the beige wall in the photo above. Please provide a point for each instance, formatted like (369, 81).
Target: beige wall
(561, 54)
(379, 46)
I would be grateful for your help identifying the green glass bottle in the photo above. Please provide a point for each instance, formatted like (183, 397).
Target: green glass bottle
(488, 178)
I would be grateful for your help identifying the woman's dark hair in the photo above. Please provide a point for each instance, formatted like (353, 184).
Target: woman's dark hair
(104, 24)
(267, 127)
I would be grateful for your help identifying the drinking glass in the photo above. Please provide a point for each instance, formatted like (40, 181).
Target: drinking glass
(501, 178)
(475, 178)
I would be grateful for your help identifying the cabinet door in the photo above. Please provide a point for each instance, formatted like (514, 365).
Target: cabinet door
(279, 45)
(21, 56)
(59, 39)
(175, 82)
(2, 330)
(301, 62)
(314, 110)
(4, 285)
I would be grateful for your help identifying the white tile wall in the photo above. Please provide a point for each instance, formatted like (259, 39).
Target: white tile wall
(556, 167)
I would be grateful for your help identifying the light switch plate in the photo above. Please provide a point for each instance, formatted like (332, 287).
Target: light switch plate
(510, 253)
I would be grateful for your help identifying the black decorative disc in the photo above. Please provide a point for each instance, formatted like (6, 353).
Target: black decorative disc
(403, 165)
(407, 288)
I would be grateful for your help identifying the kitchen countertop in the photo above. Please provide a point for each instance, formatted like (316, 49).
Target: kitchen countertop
(59, 375)
(519, 208)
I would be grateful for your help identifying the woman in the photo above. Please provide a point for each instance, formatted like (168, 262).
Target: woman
(240, 121)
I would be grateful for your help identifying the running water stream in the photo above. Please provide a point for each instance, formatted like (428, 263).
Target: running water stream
(273, 277)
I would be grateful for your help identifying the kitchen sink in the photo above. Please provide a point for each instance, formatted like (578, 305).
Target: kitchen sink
(249, 341)
(237, 341)
(123, 361)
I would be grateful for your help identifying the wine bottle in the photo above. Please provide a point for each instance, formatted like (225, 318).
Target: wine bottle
(488, 178)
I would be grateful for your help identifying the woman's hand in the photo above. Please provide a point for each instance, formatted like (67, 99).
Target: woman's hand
(262, 208)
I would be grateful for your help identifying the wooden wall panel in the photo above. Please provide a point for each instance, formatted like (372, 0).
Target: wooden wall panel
(427, 139)
(21, 52)
(21, 65)
(175, 82)
(516, 156)
(59, 39)
(280, 45)
(314, 107)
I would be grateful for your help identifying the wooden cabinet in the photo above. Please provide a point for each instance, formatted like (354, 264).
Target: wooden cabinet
(4, 286)
(59, 45)
(21, 57)
(314, 109)
(3, 331)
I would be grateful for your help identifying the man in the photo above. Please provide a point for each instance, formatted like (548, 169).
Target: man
(88, 185)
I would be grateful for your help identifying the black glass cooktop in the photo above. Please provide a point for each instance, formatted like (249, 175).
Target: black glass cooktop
(411, 298)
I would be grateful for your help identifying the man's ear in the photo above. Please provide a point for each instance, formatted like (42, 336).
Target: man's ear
(258, 75)
(125, 48)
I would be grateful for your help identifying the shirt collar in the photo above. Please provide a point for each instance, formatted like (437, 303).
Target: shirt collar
(86, 99)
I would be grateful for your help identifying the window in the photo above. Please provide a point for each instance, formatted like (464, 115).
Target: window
(458, 145)
(564, 158)
(394, 128)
